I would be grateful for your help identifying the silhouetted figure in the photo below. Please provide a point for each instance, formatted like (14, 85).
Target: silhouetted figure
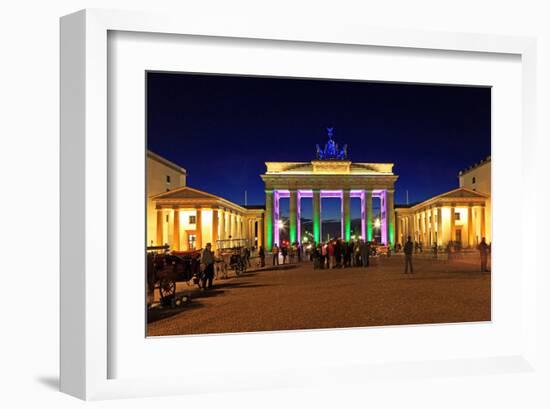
(261, 253)
(365, 253)
(208, 259)
(408, 250)
(483, 251)
(284, 252)
(275, 252)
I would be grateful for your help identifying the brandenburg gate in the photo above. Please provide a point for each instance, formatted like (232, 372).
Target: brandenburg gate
(331, 174)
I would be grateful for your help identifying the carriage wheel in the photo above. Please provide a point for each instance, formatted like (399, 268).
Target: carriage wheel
(167, 289)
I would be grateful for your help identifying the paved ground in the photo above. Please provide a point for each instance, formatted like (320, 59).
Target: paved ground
(299, 297)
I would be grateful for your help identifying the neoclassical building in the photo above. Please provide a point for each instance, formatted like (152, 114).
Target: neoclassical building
(461, 215)
(331, 174)
(186, 218)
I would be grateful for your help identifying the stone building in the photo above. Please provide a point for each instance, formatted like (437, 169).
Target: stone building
(461, 215)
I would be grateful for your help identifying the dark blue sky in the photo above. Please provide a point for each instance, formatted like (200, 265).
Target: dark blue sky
(223, 128)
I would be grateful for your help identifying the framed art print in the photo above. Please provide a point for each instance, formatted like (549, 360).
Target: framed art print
(269, 207)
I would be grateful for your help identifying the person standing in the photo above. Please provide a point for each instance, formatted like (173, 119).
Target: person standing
(483, 251)
(284, 252)
(330, 254)
(275, 251)
(365, 250)
(208, 260)
(408, 250)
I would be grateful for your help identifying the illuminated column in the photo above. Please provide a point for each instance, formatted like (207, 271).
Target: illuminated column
(222, 224)
(317, 215)
(176, 232)
(439, 226)
(346, 215)
(368, 214)
(268, 220)
(298, 218)
(452, 232)
(421, 226)
(430, 226)
(160, 225)
(470, 227)
(398, 228)
(482, 220)
(261, 232)
(199, 227)
(390, 218)
(293, 216)
(276, 216)
(215, 213)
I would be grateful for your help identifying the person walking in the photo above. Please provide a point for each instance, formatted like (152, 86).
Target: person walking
(208, 260)
(408, 250)
(284, 252)
(275, 251)
(483, 251)
(261, 253)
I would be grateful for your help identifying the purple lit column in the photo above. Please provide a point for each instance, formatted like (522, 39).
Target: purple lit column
(383, 217)
(276, 217)
(298, 213)
(363, 217)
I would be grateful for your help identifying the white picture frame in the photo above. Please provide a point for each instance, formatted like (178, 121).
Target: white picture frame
(85, 223)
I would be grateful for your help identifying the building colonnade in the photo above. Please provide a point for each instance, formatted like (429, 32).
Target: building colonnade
(273, 223)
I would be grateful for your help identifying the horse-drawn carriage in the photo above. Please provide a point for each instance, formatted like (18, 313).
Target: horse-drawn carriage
(234, 254)
(165, 269)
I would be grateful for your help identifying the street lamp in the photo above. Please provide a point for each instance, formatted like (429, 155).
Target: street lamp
(377, 223)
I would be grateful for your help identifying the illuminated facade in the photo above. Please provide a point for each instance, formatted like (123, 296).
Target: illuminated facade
(330, 175)
(462, 215)
(188, 218)
(162, 176)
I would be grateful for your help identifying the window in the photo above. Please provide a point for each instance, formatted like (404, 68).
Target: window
(474, 179)
(192, 219)
(167, 178)
(457, 216)
(167, 218)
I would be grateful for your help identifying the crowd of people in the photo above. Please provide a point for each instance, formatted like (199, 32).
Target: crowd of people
(338, 253)
(335, 253)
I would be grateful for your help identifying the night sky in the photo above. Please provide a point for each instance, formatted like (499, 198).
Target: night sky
(222, 129)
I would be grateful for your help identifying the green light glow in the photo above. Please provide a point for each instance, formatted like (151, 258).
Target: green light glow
(268, 233)
(316, 227)
(293, 231)
(347, 227)
(392, 234)
(369, 230)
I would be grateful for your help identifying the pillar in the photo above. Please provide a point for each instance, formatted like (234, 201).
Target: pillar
(222, 224)
(276, 218)
(368, 214)
(482, 220)
(261, 238)
(317, 215)
(470, 227)
(452, 237)
(293, 213)
(176, 232)
(346, 215)
(215, 213)
(440, 226)
(390, 218)
(268, 220)
(399, 228)
(199, 228)
(160, 225)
